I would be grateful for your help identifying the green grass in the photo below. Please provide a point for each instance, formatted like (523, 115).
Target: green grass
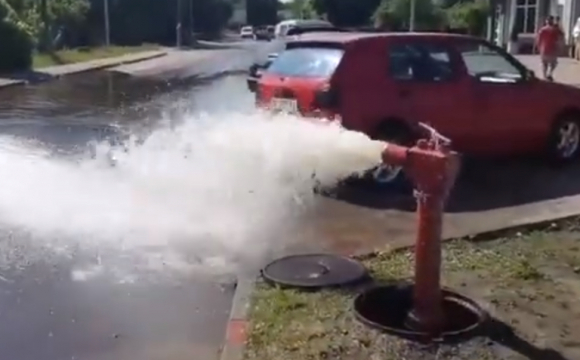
(529, 282)
(70, 56)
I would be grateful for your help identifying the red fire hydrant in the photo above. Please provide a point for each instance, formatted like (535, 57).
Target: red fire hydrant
(433, 168)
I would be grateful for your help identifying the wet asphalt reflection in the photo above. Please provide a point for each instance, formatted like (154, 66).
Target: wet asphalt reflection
(45, 313)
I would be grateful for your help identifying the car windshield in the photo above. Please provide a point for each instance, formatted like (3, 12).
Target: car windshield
(307, 62)
(483, 61)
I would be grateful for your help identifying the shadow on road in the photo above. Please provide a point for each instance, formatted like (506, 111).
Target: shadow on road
(31, 76)
(487, 186)
(484, 185)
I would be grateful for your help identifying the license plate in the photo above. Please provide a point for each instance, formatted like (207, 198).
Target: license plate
(289, 106)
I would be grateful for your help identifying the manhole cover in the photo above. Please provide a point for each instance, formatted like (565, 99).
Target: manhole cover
(386, 308)
(314, 271)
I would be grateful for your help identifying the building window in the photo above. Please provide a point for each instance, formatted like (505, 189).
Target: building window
(525, 19)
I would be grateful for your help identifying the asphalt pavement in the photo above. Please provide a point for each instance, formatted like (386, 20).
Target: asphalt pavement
(47, 313)
(52, 309)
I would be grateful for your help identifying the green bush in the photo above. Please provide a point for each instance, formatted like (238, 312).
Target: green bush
(16, 43)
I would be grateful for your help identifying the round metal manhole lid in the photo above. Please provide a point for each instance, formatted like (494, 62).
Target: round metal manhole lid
(314, 271)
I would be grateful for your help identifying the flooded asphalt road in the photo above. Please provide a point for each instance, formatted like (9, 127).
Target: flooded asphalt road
(45, 313)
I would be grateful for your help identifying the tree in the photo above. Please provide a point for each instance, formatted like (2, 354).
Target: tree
(15, 39)
(45, 18)
(27, 11)
(471, 16)
(66, 17)
(80, 22)
(134, 22)
(261, 12)
(68, 12)
(396, 14)
(346, 12)
(302, 9)
(446, 4)
(210, 16)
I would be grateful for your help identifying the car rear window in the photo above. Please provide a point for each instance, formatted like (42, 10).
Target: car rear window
(307, 62)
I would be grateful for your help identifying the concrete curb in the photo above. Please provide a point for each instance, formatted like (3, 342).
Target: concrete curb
(117, 62)
(93, 65)
(8, 83)
(238, 325)
(210, 45)
(101, 64)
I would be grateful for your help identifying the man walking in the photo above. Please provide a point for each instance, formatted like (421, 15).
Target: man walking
(547, 42)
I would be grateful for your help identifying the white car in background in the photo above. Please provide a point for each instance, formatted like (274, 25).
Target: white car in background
(282, 28)
(247, 32)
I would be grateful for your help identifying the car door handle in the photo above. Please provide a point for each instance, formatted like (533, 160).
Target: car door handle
(404, 93)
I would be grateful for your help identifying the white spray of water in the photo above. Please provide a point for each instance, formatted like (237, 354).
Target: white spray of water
(201, 194)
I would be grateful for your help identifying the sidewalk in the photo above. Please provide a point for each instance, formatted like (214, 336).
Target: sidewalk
(568, 71)
(51, 72)
(178, 63)
(190, 63)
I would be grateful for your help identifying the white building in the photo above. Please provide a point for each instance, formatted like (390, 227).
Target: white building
(527, 16)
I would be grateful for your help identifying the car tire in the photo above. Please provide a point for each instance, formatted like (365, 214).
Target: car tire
(564, 140)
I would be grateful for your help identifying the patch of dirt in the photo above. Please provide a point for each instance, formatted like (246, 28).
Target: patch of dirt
(530, 284)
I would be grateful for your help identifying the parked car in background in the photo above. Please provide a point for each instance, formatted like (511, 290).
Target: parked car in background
(282, 27)
(386, 84)
(261, 33)
(296, 30)
(247, 32)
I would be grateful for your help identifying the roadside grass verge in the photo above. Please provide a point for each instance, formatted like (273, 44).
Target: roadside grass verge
(71, 56)
(530, 284)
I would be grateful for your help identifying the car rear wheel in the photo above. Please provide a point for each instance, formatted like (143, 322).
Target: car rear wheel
(387, 176)
(564, 142)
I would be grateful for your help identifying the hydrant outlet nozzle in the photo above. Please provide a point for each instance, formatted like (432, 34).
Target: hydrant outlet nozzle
(394, 154)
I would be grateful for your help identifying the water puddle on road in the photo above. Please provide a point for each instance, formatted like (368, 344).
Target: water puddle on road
(207, 192)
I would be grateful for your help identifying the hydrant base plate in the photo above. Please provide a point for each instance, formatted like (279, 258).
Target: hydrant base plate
(314, 271)
(385, 308)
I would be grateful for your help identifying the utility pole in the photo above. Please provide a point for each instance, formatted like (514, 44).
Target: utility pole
(107, 24)
(191, 27)
(178, 26)
(412, 16)
(45, 40)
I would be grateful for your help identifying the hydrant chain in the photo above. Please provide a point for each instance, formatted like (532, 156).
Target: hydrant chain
(421, 195)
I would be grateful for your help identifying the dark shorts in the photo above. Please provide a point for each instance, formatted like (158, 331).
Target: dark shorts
(549, 60)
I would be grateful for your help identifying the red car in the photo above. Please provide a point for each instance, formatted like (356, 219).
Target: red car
(384, 84)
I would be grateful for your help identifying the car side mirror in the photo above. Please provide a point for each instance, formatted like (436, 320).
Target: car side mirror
(531, 75)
